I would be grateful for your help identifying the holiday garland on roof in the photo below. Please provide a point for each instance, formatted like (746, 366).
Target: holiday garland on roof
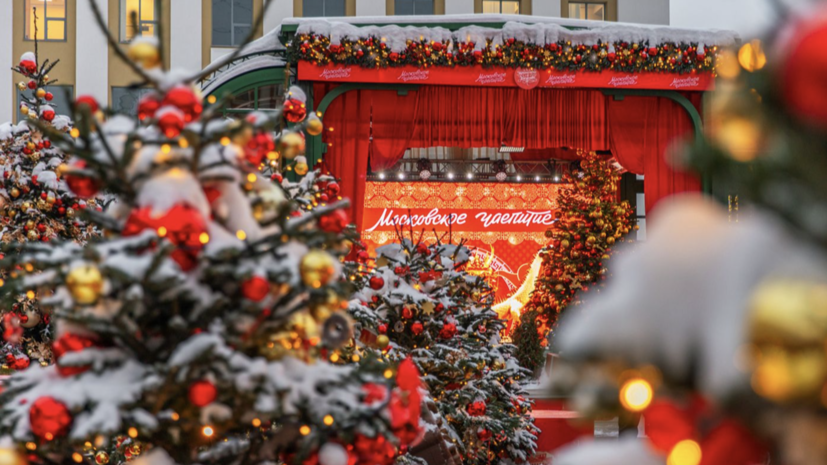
(39, 202)
(198, 325)
(540, 46)
(418, 302)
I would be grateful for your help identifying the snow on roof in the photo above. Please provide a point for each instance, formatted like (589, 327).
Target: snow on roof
(242, 68)
(535, 29)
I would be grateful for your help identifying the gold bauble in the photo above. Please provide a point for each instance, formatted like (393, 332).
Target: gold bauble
(301, 168)
(15, 192)
(291, 145)
(32, 318)
(70, 212)
(30, 224)
(101, 458)
(787, 330)
(314, 125)
(40, 92)
(610, 240)
(145, 54)
(243, 137)
(10, 456)
(26, 205)
(382, 341)
(564, 244)
(61, 170)
(33, 235)
(21, 86)
(85, 283)
(303, 324)
(317, 268)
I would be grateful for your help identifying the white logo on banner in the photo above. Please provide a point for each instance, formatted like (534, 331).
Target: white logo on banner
(335, 73)
(630, 80)
(491, 78)
(690, 81)
(418, 75)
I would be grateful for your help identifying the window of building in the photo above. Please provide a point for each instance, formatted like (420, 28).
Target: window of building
(501, 6)
(595, 11)
(139, 18)
(47, 17)
(312, 8)
(125, 99)
(413, 7)
(263, 98)
(62, 96)
(231, 22)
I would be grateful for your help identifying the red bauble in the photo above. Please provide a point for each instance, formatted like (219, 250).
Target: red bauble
(32, 85)
(259, 146)
(49, 418)
(17, 364)
(148, 105)
(407, 313)
(484, 434)
(374, 451)
(184, 227)
(476, 409)
(82, 186)
(804, 71)
(49, 96)
(334, 222)
(383, 328)
(255, 288)
(611, 56)
(374, 393)
(89, 102)
(422, 248)
(48, 114)
(417, 328)
(448, 331)
(333, 189)
(184, 99)
(668, 424)
(171, 121)
(362, 256)
(377, 282)
(277, 177)
(202, 393)
(70, 343)
(653, 51)
(27, 63)
(294, 110)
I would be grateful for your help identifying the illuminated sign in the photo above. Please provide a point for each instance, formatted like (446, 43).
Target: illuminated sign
(503, 224)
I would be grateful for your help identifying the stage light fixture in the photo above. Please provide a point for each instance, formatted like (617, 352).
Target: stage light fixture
(499, 169)
(424, 167)
(382, 176)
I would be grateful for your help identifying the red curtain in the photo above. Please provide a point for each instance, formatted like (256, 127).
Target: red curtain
(347, 154)
(638, 130)
(392, 117)
(641, 132)
(490, 117)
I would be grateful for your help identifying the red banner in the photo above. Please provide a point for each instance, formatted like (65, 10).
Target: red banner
(504, 225)
(506, 77)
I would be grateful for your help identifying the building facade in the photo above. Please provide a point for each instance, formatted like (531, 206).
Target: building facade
(196, 32)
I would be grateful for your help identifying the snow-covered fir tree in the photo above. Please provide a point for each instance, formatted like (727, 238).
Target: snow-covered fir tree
(197, 328)
(418, 302)
(36, 205)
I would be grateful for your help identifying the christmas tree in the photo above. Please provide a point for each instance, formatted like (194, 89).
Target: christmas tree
(197, 328)
(36, 205)
(418, 303)
(590, 221)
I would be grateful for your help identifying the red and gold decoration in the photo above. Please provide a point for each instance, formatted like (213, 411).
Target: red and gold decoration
(591, 221)
(626, 57)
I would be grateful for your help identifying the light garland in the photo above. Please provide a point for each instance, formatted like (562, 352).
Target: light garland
(563, 55)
